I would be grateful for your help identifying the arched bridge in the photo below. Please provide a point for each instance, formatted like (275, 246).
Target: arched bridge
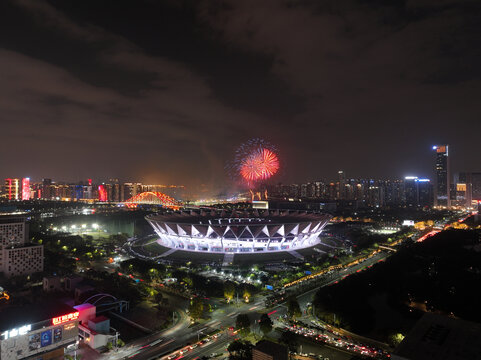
(153, 198)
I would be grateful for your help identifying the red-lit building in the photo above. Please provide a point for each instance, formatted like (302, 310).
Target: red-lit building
(103, 193)
(11, 189)
(26, 189)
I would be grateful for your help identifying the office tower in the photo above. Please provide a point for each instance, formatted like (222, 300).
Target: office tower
(46, 190)
(342, 185)
(129, 190)
(103, 195)
(424, 192)
(442, 194)
(375, 194)
(417, 192)
(394, 194)
(320, 189)
(12, 189)
(26, 189)
(476, 186)
(411, 190)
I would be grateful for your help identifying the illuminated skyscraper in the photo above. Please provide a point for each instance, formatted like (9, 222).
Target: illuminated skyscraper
(103, 193)
(26, 189)
(342, 185)
(12, 189)
(443, 177)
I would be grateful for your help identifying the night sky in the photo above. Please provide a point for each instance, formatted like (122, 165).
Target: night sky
(164, 91)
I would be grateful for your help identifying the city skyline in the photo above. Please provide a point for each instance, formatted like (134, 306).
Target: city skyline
(229, 182)
(166, 92)
(240, 179)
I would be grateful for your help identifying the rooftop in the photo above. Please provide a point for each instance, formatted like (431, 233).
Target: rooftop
(277, 351)
(246, 217)
(99, 319)
(14, 316)
(442, 338)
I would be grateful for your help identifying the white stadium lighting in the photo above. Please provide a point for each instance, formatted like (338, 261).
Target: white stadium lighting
(252, 231)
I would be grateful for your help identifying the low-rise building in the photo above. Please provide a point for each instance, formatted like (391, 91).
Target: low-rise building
(37, 331)
(17, 257)
(24, 260)
(268, 350)
(95, 330)
(52, 284)
(440, 337)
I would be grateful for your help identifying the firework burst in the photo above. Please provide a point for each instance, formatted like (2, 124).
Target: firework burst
(255, 161)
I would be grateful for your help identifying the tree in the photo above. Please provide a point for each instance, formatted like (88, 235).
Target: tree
(196, 308)
(240, 350)
(158, 298)
(293, 308)
(395, 339)
(188, 281)
(229, 290)
(243, 324)
(265, 324)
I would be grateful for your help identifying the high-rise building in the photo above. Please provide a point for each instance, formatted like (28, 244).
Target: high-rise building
(46, 189)
(417, 192)
(425, 192)
(476, 186)
(342, 185)
(103, 196)
(411, 190)
(442, 190)
(17, 257)
(12, 189)
(26, 189)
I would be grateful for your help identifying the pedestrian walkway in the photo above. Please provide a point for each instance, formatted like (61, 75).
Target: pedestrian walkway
(228, 259)
(167, 253)
(296, 254)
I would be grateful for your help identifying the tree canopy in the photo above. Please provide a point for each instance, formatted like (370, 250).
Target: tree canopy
(243, 324)
(265, 324)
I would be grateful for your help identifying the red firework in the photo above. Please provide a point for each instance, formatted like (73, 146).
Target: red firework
(260, 165)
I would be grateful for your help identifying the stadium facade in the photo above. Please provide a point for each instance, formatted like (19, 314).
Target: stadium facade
(249, 231)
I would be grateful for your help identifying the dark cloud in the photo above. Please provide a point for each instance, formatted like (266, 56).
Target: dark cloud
(165, 90)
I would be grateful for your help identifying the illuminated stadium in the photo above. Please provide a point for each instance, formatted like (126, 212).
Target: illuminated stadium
(252, 231)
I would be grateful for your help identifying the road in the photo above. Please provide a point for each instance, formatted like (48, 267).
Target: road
(161, 344)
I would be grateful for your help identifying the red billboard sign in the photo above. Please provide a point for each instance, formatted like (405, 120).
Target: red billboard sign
(65, 318)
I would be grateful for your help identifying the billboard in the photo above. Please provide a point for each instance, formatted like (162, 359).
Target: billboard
(34, 342)
(46, 338)
(64, 318)
(57, 334)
